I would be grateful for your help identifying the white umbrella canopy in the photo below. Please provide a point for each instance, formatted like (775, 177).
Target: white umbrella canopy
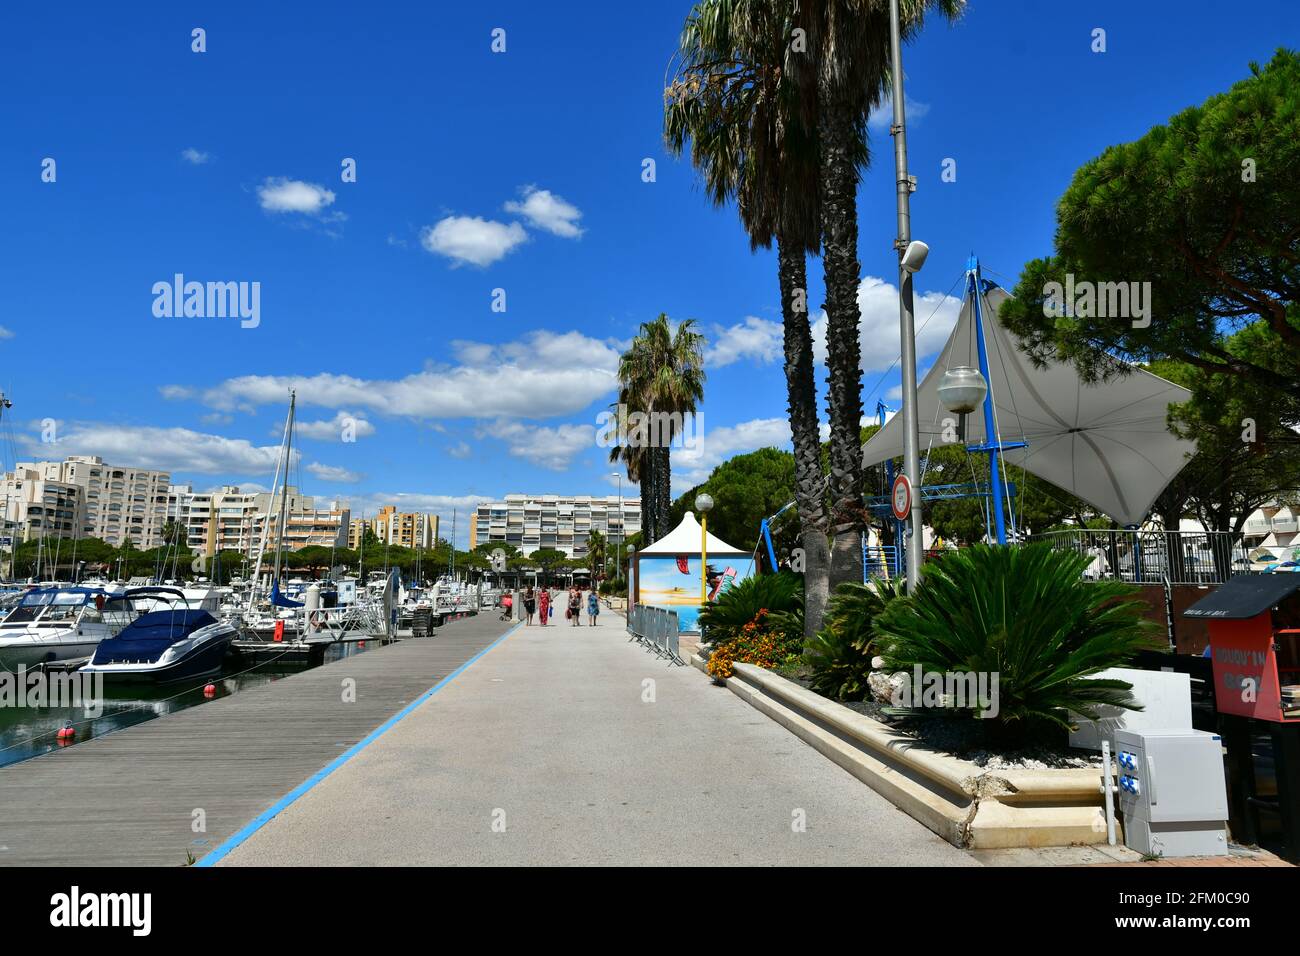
(1105, 443)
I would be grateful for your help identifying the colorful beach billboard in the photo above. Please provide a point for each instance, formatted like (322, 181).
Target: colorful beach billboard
(672, 582)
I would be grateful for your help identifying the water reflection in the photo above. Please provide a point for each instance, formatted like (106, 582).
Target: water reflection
(27, 732)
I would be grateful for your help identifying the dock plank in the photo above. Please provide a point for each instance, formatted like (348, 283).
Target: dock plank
(129, 798)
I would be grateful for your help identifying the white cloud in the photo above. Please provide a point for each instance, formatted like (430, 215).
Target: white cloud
(548, 447)
(162, 449)
(5, 333)
(195, 157)
(460, 451)
(334, 473)
(693, 465)
(541, 375)
(472, 239)
(547, 211)
(176, 392)
(278, 194)
(936, 315)
(331, 429)
(882, 117)
(754, 338)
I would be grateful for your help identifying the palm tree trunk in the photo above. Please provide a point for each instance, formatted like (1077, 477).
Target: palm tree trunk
(663, 487)
(646, 471)
(840, 255)
(801, 395)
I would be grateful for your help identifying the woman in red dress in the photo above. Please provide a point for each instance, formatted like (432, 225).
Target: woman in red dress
(544, 604)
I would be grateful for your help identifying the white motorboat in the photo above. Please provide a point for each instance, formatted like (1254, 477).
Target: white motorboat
(53, 624)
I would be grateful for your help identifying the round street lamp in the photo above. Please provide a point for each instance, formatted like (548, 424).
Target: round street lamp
(704, 504)
(962, 389)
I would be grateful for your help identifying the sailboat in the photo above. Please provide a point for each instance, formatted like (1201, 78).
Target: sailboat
(265, 622)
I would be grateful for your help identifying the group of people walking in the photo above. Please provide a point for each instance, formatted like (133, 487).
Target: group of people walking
(539, 602)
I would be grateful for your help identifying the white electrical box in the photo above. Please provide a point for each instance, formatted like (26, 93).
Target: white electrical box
(1166, 699)
(1172, 792)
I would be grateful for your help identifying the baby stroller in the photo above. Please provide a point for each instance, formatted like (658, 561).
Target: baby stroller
(507, 605)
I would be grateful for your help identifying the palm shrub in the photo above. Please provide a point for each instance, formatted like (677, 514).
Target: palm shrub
(779, 595)
(1026, 615)
(839, 655)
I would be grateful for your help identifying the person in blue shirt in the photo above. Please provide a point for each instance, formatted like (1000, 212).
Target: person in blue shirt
(593, 607)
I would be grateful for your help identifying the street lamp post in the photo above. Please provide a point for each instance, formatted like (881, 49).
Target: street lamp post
(704, 504)
(910, 258)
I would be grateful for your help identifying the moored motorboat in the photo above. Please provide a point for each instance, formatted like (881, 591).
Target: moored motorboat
(53, 624)
(168, 639)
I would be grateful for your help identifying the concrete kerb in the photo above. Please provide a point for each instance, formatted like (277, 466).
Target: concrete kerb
(965, 804)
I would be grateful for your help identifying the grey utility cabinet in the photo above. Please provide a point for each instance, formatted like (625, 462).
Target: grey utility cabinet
(1172, 792)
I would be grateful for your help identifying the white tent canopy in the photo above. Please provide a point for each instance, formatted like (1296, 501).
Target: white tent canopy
(1106, 443)
(685, 539)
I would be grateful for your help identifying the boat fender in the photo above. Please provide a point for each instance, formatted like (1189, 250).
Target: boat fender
(210, 690)
(67, 733)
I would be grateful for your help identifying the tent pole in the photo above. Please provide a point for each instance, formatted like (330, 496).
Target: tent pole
(767, 540)
(992, 440)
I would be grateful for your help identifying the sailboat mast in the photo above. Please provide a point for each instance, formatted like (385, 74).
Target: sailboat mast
(284, 490)
(266, 525)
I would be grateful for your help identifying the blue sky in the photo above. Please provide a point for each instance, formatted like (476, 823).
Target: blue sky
(479, 171)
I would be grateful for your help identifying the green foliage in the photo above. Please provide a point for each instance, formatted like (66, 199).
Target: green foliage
(661, 379)
(1231, 474)
(1038, 504)
(780, 595)
(839, 655)
(746, 489)
(1205, 209)
(1026, 615)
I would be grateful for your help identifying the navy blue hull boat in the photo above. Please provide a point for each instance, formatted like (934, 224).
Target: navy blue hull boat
(165, 641)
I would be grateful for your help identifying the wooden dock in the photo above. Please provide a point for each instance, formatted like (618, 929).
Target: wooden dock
(133, 797)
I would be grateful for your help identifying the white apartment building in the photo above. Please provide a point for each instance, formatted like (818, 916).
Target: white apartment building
(117, 502)
(233, 520)
(1273, 526)
(36, 505)
(563, 522)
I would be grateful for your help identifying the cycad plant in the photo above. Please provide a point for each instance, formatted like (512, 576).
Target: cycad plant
(1026, 615)
(839, 655)
(781, 595)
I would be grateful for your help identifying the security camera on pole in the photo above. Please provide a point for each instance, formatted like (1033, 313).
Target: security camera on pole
(911, 256)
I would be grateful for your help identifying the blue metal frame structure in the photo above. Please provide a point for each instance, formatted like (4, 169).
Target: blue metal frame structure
(996, 490)
(976, 286)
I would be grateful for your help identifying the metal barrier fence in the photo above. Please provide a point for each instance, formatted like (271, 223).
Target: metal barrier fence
(1157, 557)
(656, 629)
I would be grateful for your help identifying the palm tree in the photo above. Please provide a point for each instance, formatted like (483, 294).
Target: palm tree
(733, 98)
(661, 376)
(842, 77)
(595, 555)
